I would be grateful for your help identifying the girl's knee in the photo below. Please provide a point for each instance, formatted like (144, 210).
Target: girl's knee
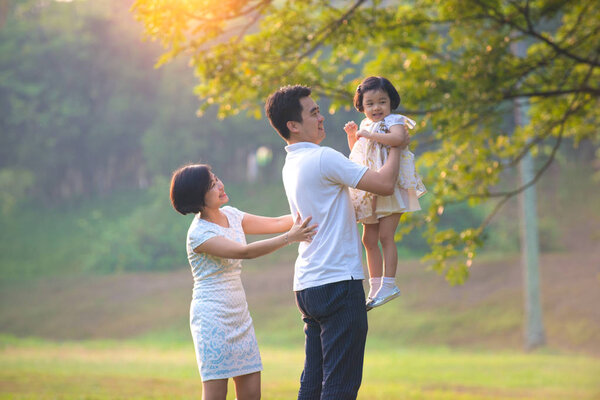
(370, 239)
(387, 238)
(370, 243)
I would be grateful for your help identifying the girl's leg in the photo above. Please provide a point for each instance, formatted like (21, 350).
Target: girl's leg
(370, 240)
(387, 231)
(214, 389)
(247, 387)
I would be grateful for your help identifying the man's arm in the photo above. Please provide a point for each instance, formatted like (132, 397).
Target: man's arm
(382, 182)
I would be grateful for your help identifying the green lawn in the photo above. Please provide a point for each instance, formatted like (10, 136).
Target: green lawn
(126, 335)
(140, 370)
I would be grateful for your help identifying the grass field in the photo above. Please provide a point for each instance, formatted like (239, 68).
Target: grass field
(126, 336)
(110, 370)
(70, 334)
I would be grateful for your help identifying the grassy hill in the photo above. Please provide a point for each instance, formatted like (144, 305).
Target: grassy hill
(65, 302)
(486, 312)
(71, 330)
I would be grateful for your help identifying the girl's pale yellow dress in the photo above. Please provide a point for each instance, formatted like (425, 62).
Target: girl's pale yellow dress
(370, 207)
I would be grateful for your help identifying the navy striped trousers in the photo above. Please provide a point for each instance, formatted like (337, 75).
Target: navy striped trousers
(335, 320)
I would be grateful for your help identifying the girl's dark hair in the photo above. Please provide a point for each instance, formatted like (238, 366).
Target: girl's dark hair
(189, 185)
(284, 105)
(376, 83)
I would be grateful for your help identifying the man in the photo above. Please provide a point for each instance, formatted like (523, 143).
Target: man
(328, 272)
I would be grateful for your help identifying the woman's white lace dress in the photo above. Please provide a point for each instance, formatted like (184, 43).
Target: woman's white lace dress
(220, 322)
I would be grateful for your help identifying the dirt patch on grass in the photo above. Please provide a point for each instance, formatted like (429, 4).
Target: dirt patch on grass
(128, 305)
(116, 306)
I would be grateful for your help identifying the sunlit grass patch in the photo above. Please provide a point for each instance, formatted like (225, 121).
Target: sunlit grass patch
(31, 369)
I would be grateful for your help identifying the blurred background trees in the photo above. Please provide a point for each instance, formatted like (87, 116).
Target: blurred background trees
(83, 111)
(90, 132)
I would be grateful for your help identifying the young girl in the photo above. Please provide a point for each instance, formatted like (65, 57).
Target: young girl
(376, 97)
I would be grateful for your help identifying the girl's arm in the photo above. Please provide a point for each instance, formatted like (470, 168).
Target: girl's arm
(397, 137)
(351, 129)
(222, 247)
(258, 225)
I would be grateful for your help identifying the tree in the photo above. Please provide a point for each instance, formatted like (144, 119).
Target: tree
(68, 81)
(451, 60)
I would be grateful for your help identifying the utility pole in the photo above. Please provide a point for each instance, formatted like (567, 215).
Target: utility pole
(534, 325)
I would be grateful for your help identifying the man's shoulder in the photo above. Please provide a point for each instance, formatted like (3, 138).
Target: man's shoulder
(316, 151)
(329, 151)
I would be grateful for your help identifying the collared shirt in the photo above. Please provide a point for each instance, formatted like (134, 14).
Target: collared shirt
(316, 181)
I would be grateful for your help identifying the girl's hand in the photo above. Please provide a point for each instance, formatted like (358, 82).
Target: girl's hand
(363, 133)
(301, 231)
(351, 128)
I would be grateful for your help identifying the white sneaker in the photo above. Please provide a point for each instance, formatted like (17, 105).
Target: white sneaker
(381, 300)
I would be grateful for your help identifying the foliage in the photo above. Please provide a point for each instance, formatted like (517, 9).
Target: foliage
(84, 113)
(459, 65)
(132, 230)
(38, 240)
(14, 184)
(68, 80)
(149, 239)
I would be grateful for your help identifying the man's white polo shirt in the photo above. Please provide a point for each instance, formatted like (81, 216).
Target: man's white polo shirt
(316, 181)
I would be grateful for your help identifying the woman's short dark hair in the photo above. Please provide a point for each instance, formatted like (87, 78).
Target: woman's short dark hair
(376, 83)
(284, 105)
(189, 185)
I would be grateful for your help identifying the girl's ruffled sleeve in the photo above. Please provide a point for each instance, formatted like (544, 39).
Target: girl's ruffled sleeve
(398, 119)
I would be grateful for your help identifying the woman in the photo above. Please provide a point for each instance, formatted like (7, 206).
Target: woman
(221, 325)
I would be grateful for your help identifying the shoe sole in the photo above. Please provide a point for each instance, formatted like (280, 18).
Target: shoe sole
(386, 300)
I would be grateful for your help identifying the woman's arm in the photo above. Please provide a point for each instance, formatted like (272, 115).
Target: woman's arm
(222, 247)
(258, 225)
(397, 137)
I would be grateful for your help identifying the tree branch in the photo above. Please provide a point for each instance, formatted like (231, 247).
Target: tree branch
(330, 28)
(569, 111)
(252, 21)
(507, 196)
(530, 31)
(241, 13)
(552, 93)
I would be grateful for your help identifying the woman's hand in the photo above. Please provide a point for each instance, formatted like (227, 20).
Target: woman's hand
(301, 231)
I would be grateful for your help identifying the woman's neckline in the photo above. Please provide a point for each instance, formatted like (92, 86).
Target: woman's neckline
(215, 223)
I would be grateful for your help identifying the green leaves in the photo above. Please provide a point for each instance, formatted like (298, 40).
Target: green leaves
(453, 63)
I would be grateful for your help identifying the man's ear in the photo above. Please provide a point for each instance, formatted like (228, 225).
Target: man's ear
(292, 126)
